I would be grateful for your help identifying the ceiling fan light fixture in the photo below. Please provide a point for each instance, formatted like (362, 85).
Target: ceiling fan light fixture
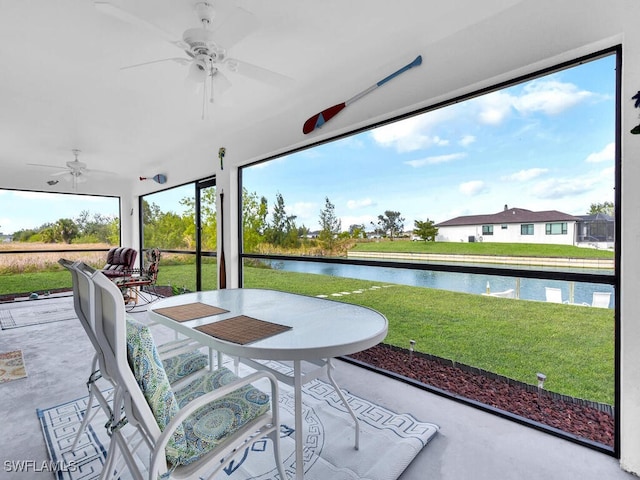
(199, 40)
(198, 72)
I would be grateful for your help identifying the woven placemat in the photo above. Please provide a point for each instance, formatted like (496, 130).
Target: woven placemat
(189, 311)
(242, 329)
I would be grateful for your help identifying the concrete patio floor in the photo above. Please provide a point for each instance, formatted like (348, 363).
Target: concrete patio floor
(471, 444)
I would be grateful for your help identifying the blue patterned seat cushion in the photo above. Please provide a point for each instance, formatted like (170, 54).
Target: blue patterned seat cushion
(206, 427)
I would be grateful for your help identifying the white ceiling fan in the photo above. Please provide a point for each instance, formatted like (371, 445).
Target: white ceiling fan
(75, 171)
(206, 47)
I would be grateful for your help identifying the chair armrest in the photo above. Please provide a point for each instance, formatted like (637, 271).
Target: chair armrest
(176, 347)
(195, 404)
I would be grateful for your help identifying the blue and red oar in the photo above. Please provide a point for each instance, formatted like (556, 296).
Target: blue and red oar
(327, 114)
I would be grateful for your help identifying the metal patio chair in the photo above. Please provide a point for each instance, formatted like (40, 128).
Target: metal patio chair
(164, 419)
(180, 358)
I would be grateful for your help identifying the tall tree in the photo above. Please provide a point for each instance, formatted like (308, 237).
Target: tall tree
(425, 230)
(390, 224)
(208, 218)
(330, 225)
(606, 207)
(66, 229)
(357, 231)
(254, 220)
(282, 230)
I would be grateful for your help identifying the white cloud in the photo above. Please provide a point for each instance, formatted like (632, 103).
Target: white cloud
(608, 174)
(421, 162)
(562, 187)
(550, 97)
(495, 107)
(467, 140)
(608, 153)
(472, 188)
(305, 212)
(363, 202)
(413, 133)
(524, 175)
(347, 221)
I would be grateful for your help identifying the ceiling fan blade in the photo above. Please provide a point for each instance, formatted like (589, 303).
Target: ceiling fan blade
(235, 27)
(125, 16)
(259, 74)
(48, 166)
(90, 171)
(180, 60)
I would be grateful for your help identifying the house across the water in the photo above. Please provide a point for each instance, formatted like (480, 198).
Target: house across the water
(513, 225)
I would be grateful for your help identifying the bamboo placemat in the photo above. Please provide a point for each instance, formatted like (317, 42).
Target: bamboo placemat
(189, 311)
(242, 329)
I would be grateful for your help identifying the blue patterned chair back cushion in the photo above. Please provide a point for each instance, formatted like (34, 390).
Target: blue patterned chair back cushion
(208, 426)
(149, 372)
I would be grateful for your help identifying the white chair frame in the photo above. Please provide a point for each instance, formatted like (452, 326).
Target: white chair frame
(84, 305)
(129, 405)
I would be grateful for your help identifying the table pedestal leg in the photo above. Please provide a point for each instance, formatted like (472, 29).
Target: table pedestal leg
(299, 441)
(344, 402)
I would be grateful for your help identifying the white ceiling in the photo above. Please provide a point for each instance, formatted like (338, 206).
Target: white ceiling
(62, 86)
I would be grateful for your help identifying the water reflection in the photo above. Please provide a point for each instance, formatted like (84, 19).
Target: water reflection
(525, 288)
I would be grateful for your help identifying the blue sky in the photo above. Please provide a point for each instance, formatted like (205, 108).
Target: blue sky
(543, 145)
(547, 144)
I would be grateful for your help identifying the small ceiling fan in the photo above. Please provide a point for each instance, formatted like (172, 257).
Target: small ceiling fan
(75, 171)
(206, 47)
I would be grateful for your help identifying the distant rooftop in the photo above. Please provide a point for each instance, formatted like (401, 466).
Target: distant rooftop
(511, 215)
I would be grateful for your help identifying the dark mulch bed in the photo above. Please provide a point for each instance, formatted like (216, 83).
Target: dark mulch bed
(11, 297)
(569, 415)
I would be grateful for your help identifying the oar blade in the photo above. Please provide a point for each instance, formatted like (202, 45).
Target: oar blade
(321, 118)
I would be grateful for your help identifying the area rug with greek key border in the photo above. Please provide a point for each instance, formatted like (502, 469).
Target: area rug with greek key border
(388, 441)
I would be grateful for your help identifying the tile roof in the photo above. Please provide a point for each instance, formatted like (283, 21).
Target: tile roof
(511, 215)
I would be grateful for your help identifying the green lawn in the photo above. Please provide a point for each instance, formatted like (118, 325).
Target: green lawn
(484, 248)
(572, 345)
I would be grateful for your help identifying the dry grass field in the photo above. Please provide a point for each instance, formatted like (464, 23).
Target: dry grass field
(45, 256)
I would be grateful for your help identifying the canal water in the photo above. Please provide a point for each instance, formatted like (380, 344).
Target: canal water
(527, 289)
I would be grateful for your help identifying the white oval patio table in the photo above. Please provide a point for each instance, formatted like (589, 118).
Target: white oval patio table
(318, 330)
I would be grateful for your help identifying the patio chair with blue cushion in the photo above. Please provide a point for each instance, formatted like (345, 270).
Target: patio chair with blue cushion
(180, 358)
(193, 431)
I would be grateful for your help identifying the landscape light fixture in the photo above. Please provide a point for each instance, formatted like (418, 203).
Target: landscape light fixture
(541, 378)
